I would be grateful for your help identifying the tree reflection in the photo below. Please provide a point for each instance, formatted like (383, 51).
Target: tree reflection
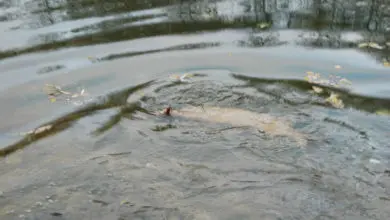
(323, 24)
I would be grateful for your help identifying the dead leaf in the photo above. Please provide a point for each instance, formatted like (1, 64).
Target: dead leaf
(335, 101)
(317, 89)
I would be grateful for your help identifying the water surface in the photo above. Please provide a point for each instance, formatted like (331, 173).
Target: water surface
(103, 155)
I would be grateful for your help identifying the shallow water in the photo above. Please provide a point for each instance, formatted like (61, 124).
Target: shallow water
(104, 155)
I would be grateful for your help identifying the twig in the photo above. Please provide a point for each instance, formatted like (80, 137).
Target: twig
(111, 155)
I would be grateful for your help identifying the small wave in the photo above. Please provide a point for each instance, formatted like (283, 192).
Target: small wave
(200, 93)
(285, 86)
(174, 48)
(116, 99)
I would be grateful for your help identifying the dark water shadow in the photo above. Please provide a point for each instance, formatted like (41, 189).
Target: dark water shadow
(174, 48)
(122, 34)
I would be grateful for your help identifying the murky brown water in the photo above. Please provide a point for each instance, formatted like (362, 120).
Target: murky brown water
(101, 155)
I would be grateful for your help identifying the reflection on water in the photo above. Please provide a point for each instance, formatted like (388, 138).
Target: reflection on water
(330, 24)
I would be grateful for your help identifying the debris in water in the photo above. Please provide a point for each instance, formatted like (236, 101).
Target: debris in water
(142, 133)
(48, 69)
(183, 78)
(103, 203)
(126, 202)
(317, 89)
(160, 128)
(335, 81)
(371, 44)
(335, 101)
(56, 214)
(263, 25)
(119, 154)
(54, 92)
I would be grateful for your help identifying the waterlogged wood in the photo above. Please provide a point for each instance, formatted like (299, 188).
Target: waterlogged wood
(239, 117)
